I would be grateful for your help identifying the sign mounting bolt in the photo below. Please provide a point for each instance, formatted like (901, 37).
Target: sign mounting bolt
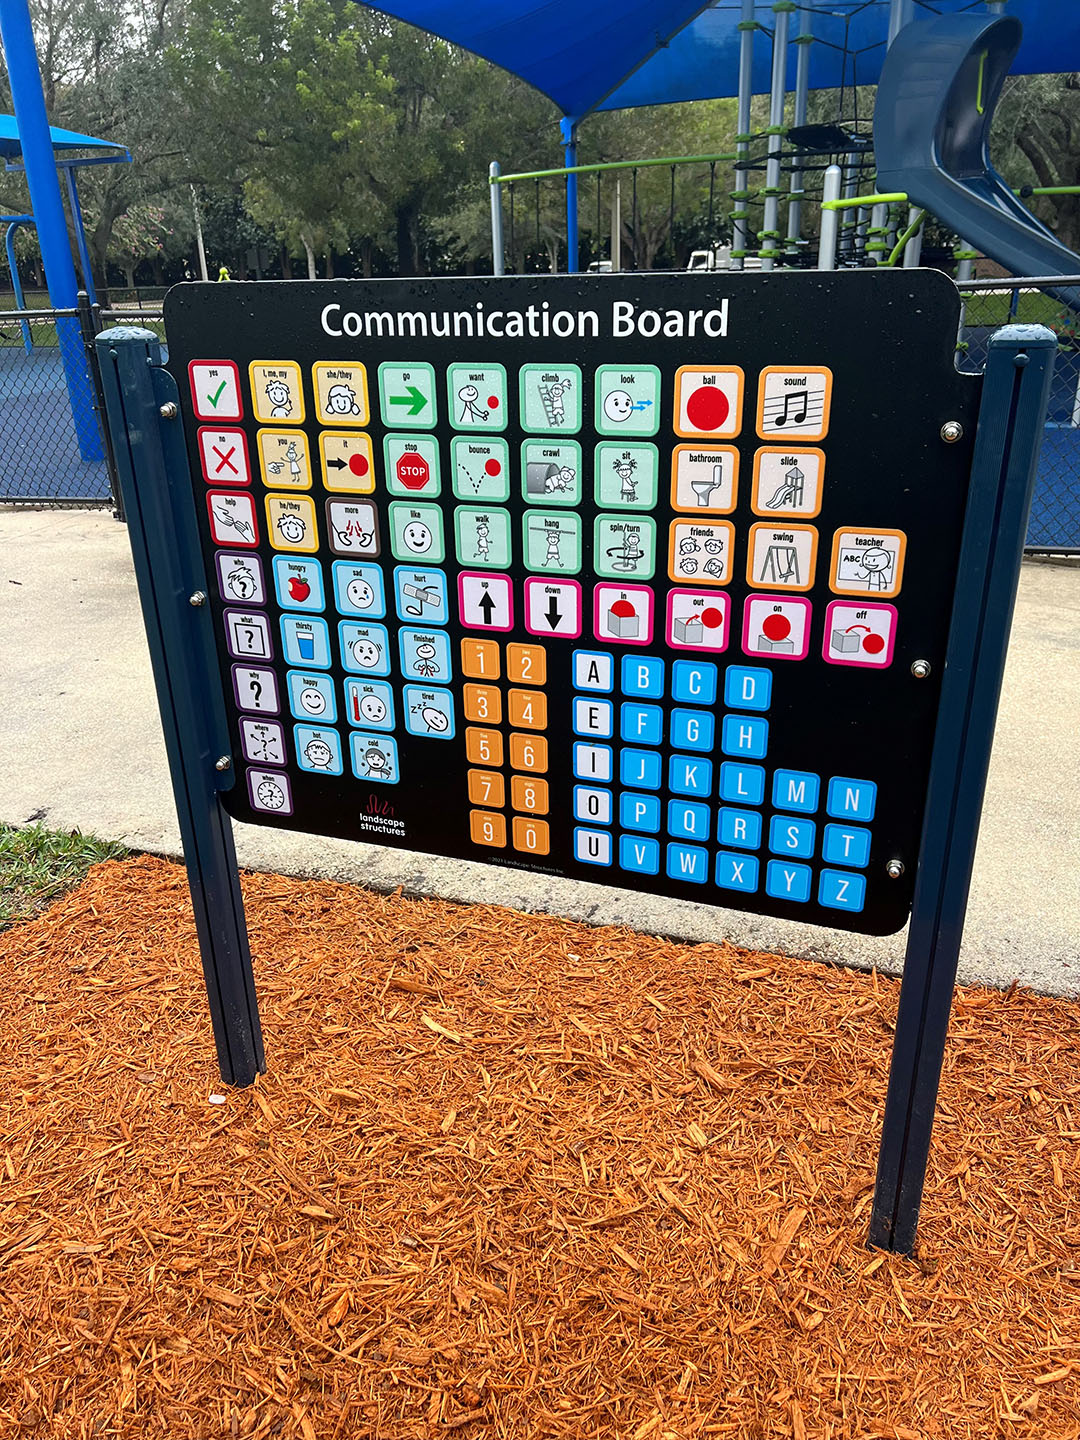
(951, 431)
(199, 598)
(894, 869)
(169, 410)
(920, 669)
(224, 762)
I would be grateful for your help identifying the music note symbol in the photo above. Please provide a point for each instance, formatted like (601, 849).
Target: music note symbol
(799, 419)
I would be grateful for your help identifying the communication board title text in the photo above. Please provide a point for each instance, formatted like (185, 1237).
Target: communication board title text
(533, 322)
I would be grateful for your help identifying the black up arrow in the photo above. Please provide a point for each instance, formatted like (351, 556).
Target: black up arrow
(336, 464)
(554, 614)
(487, 605)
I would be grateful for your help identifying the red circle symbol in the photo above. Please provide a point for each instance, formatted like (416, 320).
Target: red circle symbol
(776, 627)
(492, 466)
(358, 464)
(873, 644)
(707, 408)
(712, 618)
(413, 471)
(493, 402)
(623, 609)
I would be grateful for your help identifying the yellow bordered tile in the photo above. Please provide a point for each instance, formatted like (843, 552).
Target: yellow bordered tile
(348, 462)
(341, 392)
(277, 392)
(283, 459)
(290, 523)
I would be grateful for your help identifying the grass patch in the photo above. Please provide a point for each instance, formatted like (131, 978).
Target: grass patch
(1034, 307)
(37, 865)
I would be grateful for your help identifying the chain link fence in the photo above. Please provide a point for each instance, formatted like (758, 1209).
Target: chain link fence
(1054, 526)
(52, 445)
(54, 448)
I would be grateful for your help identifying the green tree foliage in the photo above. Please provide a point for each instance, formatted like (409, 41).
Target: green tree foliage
(1036, 141)
(323, 136)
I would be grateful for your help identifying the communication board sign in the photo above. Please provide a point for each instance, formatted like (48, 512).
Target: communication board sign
(620, 578)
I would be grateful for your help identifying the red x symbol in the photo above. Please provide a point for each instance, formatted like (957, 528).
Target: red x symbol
(224, 460)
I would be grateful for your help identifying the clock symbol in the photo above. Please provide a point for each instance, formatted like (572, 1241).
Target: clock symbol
(270, 794)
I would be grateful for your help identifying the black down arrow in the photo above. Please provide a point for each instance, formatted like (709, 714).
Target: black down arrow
(553, 614)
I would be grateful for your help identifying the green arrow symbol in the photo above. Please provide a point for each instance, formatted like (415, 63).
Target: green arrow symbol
(415, 399)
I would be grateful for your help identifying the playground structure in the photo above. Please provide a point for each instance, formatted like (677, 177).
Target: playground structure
(801, 194)
(928, 155)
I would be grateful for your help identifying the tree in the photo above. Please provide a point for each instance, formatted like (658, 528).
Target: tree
(1036, 139)
(137, 235)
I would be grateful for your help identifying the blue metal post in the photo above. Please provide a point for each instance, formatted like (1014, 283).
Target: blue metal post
(13, 223)
(80, 233)
(568, 129)
(142, 409)
(47, 204)
(1016, 387)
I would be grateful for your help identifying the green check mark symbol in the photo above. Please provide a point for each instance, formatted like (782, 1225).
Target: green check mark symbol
(216, 396)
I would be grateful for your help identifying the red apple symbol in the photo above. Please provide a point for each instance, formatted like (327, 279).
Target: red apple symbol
(298, 589)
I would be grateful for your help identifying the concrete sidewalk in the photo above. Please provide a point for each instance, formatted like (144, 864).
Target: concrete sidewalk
(80, 746)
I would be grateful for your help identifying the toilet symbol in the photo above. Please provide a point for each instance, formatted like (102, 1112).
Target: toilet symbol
(704, 485)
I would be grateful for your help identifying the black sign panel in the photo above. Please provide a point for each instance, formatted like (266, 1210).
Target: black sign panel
(621, 578)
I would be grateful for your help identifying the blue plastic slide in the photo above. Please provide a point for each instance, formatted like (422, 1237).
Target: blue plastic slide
(939, 85)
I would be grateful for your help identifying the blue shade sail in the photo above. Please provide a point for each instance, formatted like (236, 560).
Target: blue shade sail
(646, 52)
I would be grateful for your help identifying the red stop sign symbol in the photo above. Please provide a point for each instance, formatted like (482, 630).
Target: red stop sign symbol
(413, 471)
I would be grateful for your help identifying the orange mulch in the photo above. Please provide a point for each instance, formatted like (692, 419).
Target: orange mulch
(510, 1176)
